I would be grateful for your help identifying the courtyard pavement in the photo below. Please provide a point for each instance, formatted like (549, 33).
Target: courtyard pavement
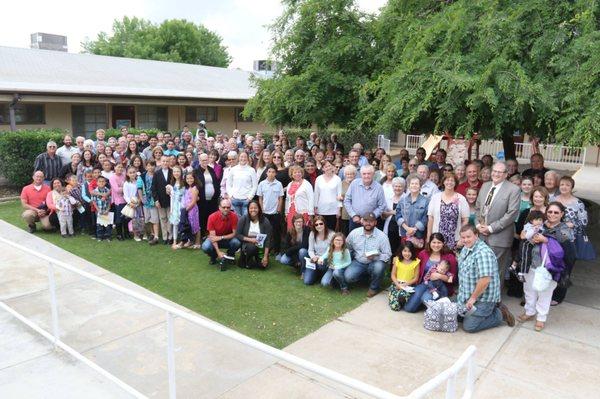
(390, 350)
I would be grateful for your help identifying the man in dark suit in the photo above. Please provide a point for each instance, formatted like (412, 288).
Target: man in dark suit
(162, 178)
(498, 203)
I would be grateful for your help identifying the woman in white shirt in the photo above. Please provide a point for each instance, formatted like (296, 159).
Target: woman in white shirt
(241, 184)
(263, 160)
(328, 195)
(387, 181)
(299, 197)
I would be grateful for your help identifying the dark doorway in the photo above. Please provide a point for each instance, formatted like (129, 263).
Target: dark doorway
(123, 115)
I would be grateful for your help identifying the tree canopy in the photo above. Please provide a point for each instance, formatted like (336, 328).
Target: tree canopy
(175, 40)
(324, 50)
(465, 66)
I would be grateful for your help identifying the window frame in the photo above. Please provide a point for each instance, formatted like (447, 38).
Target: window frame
(97, 126)
(198, 114)
(140, 118)
(5, 108)
(239, 118)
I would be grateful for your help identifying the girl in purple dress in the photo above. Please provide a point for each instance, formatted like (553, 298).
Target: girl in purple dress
(190, 222)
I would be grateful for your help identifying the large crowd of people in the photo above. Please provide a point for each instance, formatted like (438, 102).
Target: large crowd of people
(442, 230)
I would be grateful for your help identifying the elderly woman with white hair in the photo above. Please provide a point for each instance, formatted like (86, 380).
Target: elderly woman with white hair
(88, 145)
(388, 224)
(230, 162)
(551, 182)
(349, 176)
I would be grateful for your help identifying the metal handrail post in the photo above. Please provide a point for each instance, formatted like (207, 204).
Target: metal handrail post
(451, 387)
(53, 306)
(171, 357)
(470, 388)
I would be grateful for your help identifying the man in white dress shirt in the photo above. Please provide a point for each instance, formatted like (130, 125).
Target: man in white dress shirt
(428, 188)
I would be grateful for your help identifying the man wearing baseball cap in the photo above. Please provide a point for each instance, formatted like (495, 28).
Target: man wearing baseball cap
(371, 251)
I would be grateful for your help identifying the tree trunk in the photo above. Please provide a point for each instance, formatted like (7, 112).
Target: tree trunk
(508, 142)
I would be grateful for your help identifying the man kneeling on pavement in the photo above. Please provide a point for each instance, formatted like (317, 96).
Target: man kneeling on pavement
(479, 284)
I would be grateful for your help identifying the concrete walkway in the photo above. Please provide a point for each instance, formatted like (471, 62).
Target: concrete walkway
(387, 349)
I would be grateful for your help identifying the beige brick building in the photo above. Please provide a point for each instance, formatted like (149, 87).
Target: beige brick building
(83, 92)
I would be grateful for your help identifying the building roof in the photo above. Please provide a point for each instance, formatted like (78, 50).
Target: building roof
(25, 70)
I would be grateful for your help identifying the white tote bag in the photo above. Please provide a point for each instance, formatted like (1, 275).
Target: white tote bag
(541, 276)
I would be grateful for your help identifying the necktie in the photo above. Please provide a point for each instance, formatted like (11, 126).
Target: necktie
(490, 195)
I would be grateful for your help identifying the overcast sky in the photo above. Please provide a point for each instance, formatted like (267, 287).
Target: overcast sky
(241, 23)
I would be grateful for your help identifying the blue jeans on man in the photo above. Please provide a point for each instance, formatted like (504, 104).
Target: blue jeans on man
(357, 270)
(232, 246)
(240, 206)
(486, 315)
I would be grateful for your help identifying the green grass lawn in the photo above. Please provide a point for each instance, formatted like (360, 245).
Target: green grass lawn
(271, 305)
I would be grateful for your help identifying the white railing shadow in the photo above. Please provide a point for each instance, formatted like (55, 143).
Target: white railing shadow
(449, 375)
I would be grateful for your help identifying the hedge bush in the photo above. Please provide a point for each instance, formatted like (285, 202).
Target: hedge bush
(19, 149)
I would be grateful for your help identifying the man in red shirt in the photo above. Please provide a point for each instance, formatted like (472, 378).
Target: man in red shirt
(33, 196)
(221, 227)
(472, 173)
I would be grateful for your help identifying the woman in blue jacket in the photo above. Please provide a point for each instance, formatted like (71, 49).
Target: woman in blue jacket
(411, 213)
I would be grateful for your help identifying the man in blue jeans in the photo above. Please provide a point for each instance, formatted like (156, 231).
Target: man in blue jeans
(479, 284)
(371, 251)
(221, 227)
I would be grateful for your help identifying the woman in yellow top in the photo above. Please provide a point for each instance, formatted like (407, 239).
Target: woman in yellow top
(405, 273)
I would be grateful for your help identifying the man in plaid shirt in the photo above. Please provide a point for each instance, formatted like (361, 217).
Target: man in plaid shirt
(479, 284)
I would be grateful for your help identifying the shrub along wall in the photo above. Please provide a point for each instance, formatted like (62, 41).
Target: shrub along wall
(19, 149)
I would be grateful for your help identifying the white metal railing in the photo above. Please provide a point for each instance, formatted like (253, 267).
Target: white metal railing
(414, 141)
(384, 143)
(448, 375)
(553, 153)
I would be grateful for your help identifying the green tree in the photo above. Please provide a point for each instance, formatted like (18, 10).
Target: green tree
(487, 66)
(579, 79)
(174, 40)
(325, 54)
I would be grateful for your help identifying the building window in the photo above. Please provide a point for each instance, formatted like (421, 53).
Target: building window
(197, 114)
(32, 114)
(150, 117)
(87, 119)
(239, 117)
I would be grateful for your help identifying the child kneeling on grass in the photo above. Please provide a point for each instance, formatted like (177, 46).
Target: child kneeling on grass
(337, 258)
(405, 274)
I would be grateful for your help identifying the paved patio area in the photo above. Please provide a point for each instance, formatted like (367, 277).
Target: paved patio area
(387, 349)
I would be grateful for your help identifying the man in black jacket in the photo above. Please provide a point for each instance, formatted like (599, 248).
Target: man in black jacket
(162, 200)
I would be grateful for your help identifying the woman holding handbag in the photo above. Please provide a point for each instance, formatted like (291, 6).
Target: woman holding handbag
(553, 231)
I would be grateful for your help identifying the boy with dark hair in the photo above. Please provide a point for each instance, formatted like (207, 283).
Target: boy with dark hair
(270, 197)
